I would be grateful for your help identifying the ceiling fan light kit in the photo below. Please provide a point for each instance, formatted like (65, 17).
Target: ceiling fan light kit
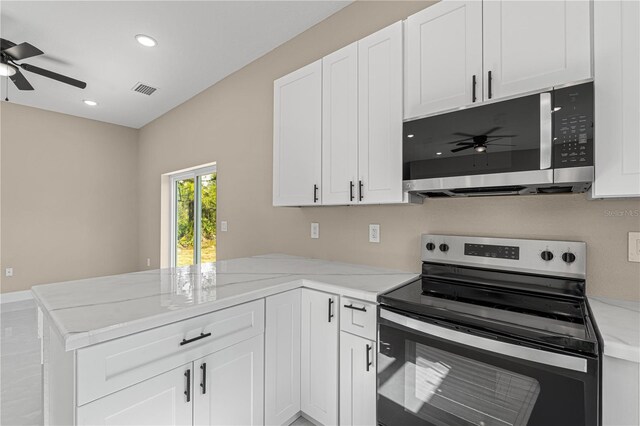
(7, 70)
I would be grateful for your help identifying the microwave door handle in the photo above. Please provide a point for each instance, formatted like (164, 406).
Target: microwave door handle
(516, 351)
(546, 131)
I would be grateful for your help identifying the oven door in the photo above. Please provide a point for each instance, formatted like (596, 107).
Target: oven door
(433, 374)
(504, 143)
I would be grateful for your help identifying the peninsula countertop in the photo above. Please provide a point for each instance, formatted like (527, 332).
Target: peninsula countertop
(90, 311)
(619, 325)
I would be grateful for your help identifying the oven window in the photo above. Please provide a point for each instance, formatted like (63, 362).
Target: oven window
(466, 389)
(426, 380)
(497, 138)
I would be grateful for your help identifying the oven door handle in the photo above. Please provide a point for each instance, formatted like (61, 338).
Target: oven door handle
(521, 352)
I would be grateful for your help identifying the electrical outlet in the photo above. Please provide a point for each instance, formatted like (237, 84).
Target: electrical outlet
(148, 262)
(8, 272)
(634, 246)
(223, 226)
(374, 233)
(315, 230)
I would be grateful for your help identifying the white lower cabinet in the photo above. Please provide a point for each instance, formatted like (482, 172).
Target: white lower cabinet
(357, 380)
(160, 400)
(228, 385)
(282, 357)
(319, 356)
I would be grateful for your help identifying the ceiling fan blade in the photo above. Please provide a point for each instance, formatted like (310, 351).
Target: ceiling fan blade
(460, 140)
(463, 134)
(488, 132)
(501, 144)
(21, 81)
(55, 76)
(22, 51)
(462, 148)
(5, 44)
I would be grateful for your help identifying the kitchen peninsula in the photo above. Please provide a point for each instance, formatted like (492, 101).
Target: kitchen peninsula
(214, 344)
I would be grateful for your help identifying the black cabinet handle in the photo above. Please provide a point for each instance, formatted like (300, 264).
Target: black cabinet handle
(315, 193)
(351, 185)
(489, 83)
(473, 88)
(360, 187)
(355, 308)
(203, 384)
(201, 336)
(369, 362)
(187, 392)
(330, 308)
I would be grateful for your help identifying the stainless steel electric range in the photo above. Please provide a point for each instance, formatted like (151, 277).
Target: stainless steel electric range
(495, 332)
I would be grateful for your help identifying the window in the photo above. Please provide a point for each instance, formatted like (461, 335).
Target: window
(194, 201)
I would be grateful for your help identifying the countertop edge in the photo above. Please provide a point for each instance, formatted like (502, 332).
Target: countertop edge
(613, 336)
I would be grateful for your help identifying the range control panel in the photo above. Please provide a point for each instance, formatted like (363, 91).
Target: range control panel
(573, 126)
(488, 250)
(555, 258)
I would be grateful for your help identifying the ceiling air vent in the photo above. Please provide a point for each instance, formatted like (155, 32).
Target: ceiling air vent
(144, 89)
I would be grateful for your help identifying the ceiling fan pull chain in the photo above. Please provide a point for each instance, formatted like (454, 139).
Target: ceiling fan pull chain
(6, 89)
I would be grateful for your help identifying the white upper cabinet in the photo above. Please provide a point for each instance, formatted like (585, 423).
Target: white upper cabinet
(617, 99)
(380, 116)
(340, 126)
(443, 56)
(297, 121)
(533, 45)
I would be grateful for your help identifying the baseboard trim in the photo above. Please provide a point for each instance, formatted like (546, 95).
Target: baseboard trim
(15, 296)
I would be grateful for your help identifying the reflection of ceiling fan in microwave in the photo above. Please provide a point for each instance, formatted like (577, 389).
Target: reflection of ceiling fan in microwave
(479, 143)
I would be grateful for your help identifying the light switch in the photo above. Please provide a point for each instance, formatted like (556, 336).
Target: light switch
(8, 272)
(315, 230)
(223, 226)
(634, 246)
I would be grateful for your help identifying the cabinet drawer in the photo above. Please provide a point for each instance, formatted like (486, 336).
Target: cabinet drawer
(358, 317)
(110, 366)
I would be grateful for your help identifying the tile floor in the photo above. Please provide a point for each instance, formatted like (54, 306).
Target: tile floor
(20, 370)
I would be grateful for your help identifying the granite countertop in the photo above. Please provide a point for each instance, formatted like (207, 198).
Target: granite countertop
(90, 311)
(619, 325)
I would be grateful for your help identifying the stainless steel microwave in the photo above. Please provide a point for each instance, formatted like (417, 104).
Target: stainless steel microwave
(541, 143)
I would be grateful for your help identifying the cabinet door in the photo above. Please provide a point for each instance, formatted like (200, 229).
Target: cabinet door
(357, 381)
(617, 99)
(228, 387)
(380, 116)
(533, 45)
(160, 400)
(282, 357)
(443, 57)
(297, 117)
(319, 386)
(340, 126)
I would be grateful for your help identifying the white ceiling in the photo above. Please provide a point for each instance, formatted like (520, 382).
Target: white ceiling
(199, 43)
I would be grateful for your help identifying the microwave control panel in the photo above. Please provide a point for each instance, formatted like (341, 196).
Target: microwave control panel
(573, 126)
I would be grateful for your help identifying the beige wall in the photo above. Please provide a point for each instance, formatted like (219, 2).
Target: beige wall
(69, 197)
(231, 123)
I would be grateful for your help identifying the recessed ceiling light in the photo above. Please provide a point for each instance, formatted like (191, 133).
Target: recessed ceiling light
(90, 102)
(7, 70)
(438, 153)
(146, 41)
(409, 136)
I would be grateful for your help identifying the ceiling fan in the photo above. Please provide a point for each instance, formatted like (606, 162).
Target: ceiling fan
(11, 52)
(479, 142)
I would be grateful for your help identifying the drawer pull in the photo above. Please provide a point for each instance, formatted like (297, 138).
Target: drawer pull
(201, 336)
(355, 308)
